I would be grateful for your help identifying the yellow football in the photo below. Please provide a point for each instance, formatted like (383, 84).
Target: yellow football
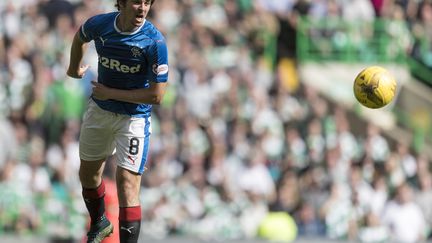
(374, 87)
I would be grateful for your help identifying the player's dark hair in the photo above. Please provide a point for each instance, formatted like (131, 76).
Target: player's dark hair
(124, 2)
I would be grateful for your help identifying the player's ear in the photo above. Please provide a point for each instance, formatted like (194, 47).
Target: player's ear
(121, 4)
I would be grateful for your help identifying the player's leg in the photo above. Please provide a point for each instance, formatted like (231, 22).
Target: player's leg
(93, 188)
(96, 143)
(128, 188)
(132, 142)
(90, 174)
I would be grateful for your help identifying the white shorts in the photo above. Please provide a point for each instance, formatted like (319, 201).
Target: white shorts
(104, 133)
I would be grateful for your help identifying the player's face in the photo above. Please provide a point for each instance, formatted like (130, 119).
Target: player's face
(134, 12)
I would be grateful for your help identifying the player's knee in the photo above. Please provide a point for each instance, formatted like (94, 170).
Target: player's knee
(90, 173)
(127, 179)
(128, 186)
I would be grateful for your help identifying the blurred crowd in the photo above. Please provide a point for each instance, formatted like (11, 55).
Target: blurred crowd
(232, 140)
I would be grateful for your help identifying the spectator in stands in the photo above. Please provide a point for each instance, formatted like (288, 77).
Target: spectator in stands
(373, 230)
(379, 195)
(375, 145)
(256, 177)
(288, 193)
(423, 197)
(406, 160)
(403, 217)
(308, 223)
(336, 212)
(358, 10)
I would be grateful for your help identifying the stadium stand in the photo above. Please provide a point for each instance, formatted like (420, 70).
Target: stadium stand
(241, 135)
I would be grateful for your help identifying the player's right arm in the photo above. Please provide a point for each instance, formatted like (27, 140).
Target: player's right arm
(76, 69)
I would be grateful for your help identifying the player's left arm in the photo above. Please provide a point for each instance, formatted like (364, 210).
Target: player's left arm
(151, 95)
(78, 48)
(158, 77)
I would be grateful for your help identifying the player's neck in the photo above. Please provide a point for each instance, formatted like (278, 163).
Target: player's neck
(123, 25)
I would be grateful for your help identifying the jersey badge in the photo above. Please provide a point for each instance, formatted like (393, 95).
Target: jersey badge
(160, 69)
(136, 52)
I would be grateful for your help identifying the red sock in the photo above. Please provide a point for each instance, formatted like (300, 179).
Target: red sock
(130, 223)
(94, 201)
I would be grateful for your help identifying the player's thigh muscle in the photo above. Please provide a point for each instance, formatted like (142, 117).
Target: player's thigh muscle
(132, 143)
(96, 136)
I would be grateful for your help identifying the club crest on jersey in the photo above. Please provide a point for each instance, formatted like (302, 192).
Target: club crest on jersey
(136, 52)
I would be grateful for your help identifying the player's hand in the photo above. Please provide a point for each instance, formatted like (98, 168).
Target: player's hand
(77, 73)
(100, 91)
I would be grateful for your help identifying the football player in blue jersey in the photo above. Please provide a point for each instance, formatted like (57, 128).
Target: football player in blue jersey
(132, 76)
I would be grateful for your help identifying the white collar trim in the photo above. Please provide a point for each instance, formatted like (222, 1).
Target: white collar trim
(125, 32)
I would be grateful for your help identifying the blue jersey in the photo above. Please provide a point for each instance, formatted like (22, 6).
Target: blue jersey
(127, 60)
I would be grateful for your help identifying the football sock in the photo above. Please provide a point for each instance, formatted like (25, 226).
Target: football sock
(94, 201)
(130, 223)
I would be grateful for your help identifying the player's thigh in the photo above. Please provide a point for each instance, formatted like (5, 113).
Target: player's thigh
(96, 140)
(132, 143)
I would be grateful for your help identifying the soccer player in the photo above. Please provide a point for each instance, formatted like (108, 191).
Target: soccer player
(132, 76)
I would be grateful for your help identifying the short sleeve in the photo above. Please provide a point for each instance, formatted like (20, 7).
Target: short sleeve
(88, 29)
(158, 58)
